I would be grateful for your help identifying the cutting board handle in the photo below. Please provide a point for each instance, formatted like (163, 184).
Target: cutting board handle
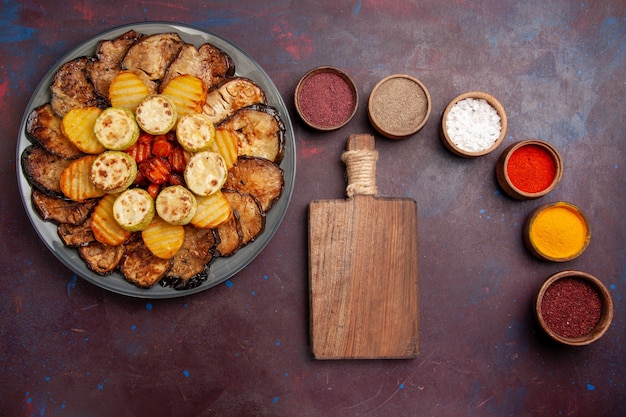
(360, 158)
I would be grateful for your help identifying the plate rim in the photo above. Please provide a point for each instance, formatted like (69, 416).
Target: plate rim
(69, 256)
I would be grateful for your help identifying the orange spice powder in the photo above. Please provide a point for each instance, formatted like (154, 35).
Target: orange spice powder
(531, 168)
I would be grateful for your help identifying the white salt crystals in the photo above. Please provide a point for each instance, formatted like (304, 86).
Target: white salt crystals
(473, 125)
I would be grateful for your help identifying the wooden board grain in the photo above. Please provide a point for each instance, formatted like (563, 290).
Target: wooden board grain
(363, 261)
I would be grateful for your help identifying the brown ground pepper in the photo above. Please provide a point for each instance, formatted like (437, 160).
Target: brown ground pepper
(571, 307)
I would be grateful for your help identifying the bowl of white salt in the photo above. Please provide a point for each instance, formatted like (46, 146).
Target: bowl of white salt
(473, 124)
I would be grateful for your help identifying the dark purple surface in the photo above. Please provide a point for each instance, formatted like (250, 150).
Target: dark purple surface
(69, 348)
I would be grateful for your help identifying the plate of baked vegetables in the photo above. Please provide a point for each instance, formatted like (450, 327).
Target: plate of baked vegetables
(156, 160)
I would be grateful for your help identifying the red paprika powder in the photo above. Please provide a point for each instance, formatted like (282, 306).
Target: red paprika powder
(531, 168)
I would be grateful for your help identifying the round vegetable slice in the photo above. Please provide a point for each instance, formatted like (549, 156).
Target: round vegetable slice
(116, 128)
(163, 239)
(156, 114)
(176, 205)
(205, 173)
(113, 171)
(195, 132)
(134, 209)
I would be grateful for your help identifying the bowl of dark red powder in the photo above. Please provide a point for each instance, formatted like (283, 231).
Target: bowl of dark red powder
(326, 98)
(574, 308)
(529, 169)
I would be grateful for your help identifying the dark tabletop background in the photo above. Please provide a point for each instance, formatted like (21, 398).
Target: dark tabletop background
(69, 348)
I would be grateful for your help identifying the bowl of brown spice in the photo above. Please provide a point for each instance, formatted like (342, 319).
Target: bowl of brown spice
(574, 308)
(326, 98)
(399, 106)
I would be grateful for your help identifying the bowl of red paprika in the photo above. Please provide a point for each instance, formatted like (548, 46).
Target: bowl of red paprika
(326, 98)
(574, 308)
(529, 169)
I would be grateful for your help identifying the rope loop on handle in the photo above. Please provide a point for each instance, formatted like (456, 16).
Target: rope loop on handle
(361, 171)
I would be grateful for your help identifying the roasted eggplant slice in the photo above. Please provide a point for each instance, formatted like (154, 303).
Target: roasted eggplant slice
(140, 267)
(60, 210)
(230, 236)
(153, 54)
(74, 236)
(209, 63)
(43, 169)
(108, 61)
(43, 127)
(250, 215)
(72, 88)
(230, 96)
(257, 176)
(260, 132)
(101, 259)
(191, 263)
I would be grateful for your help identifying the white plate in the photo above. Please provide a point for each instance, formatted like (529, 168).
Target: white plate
(222, 268)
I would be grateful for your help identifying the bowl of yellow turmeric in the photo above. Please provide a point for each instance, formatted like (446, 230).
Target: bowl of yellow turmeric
(557, 232)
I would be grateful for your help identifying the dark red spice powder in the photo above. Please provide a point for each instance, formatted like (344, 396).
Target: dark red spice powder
(531, 168)
(571, 307)
(326, 100)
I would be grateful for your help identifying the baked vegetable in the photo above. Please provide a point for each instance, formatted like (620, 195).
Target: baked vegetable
(60, 210)
(259, 130)
(230, 96)
(105, 228)
(260, 177)
(75, 181)
(43, 169)
(43, 127)
(225, 144)
(176, 205)
(101, 259)
(134, 209)
(205, 173)
(163, 239)
(250, 215)
(187, 92)
(212, 210)
(195, 132)
(127, 90)
(116, 128)
(142, 268)
(156, 114)
(113, 171)
(78, 126)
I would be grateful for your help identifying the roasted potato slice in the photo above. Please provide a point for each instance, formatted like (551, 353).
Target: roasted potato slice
(101, 259)
(43, 127)
(258, 176)
(187, 92)
(260, 132)
(230, 96)
(103, 225)
(78, 126)
(163, 239)
(140, 267)
(212, 210)
(127, 90)
(43, 170)
(60, 210)
(75, 182)
(251, 216)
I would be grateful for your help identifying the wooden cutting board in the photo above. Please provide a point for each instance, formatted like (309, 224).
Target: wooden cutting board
(363, 267)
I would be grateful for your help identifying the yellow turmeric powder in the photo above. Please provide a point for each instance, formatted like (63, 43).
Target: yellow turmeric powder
(559, 232)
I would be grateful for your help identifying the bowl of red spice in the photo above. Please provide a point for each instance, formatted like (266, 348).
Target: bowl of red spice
(473, 124)
(574, 308)
(529, 169)
(326, 98)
